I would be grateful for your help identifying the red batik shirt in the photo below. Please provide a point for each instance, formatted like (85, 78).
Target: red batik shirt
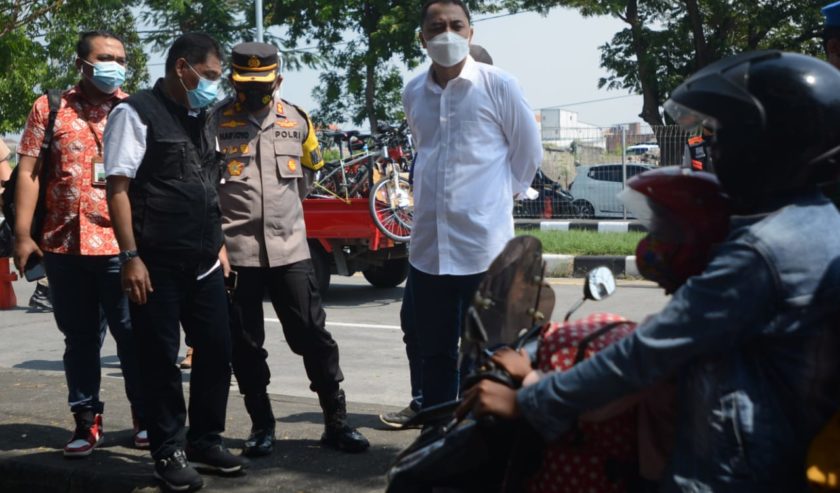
(77, 220)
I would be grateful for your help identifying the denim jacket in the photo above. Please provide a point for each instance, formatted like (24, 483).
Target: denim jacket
(747, 343)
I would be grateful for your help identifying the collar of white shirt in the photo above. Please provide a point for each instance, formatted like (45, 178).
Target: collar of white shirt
(468, 73)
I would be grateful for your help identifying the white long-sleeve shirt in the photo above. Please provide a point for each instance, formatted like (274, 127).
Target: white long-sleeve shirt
(477, 145)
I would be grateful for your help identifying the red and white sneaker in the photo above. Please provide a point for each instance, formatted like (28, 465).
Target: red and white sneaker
(141, 436)
(87, 436)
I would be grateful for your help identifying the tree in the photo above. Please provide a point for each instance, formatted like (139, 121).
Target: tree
(18, 13)
(42, 53)
(226, 20)
(665, 41)
(360, 42)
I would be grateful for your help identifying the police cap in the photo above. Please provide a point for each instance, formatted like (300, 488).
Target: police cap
(832, 14)
(254, 62)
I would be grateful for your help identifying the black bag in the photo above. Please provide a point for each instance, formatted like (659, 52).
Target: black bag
(43, 168)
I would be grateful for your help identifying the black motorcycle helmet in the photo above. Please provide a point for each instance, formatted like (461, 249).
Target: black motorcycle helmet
(776, 122)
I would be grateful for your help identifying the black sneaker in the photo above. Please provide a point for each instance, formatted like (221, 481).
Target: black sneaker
(40, 299)
(216, 458)
(177, 474)
(397, 420)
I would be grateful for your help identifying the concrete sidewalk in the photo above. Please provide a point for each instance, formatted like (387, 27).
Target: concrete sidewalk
(35, 423)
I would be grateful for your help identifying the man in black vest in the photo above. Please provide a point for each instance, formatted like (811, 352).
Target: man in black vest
(162, 162)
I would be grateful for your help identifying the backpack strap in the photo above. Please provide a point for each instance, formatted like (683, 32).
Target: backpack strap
(54, 101)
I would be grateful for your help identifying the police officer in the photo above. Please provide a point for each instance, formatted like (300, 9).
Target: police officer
(270, 152)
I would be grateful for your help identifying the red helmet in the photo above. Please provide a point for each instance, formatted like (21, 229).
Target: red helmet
(686, 215)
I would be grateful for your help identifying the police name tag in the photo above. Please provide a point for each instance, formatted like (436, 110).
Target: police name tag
(98, 177)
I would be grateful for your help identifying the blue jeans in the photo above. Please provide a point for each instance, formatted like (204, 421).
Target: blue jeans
(439, 304)
(87, 296)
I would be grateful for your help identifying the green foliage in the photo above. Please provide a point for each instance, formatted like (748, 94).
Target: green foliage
(41, 54)
(226, 20)
(665, 41)
(586, 242)
(360, 44)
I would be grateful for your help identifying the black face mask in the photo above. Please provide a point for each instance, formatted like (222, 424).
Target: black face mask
(254, 99)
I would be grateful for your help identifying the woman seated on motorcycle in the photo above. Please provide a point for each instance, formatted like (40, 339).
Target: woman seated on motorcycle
(747, 339)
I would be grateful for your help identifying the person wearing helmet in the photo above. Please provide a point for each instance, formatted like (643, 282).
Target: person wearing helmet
(748, 339)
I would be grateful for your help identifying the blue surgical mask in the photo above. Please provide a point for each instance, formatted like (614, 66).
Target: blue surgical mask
(107, 76)
(204, 93)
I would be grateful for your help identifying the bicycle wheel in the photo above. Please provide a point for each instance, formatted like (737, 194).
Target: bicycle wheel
(392, 208)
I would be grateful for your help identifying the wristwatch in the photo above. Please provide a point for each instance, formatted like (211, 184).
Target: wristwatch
(127, 255)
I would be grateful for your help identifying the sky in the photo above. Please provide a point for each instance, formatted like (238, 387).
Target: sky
(555, 58)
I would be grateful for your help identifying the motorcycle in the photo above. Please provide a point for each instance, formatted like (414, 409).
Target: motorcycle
(511, 309)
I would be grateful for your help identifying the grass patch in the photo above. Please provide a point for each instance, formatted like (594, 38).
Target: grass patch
(586, 242)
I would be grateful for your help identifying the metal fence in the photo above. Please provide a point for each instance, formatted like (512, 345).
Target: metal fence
(584, 168)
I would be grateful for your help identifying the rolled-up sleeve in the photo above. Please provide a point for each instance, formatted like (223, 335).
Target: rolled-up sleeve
(519, 125)
(711, 314)
(125, 142)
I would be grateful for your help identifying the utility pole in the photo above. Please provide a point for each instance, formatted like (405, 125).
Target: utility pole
(259, 19)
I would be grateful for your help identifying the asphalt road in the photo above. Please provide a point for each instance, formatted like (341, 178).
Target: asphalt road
(364, 321)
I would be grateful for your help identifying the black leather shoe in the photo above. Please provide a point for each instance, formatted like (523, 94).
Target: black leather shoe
(344, 438)
(259, 444)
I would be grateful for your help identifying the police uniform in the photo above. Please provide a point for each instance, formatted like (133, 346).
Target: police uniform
(270, 154)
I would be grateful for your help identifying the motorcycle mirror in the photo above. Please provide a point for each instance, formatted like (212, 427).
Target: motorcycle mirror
(600, 284)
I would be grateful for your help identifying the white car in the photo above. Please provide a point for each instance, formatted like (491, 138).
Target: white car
(596, 186)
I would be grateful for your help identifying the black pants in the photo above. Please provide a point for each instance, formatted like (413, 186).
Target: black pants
(293, 290)
(201, 307)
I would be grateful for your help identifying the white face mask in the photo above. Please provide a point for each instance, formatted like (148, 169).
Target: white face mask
(448, 48)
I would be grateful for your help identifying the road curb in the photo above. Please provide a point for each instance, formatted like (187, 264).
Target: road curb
(557, 265)
(599, 226)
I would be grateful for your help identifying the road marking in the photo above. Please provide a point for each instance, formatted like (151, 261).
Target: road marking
(341, 324)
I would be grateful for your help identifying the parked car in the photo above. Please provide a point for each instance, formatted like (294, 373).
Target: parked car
(596, 186)
(552, 201)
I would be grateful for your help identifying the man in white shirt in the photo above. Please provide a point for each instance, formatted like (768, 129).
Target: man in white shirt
(478, 146)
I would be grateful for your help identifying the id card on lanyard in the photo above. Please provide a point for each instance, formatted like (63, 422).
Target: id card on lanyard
(97, 175)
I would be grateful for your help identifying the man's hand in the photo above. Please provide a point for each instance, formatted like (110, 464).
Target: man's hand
(489, 398)
(518, 364)
(25, 246)
(223, 259)
(136, 282)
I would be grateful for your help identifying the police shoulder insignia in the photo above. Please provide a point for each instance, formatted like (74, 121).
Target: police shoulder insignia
(292, 165)
(280, 110)
(228, 112)
(286, 123)
(235, 167)
(244, 148)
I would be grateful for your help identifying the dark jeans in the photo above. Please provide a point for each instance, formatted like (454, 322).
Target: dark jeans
(201, 307)
(408, 324)
(87, 297)
(440, 303)
(293, 291)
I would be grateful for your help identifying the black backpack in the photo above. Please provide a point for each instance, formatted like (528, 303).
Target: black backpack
(43, 167)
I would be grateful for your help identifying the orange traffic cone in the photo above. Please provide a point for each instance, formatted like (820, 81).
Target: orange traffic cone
(8, 300)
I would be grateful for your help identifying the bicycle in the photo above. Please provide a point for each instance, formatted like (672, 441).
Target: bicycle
(391, 199)
(345, 179)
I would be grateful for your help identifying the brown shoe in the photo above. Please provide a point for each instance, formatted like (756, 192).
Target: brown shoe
(186, 363)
